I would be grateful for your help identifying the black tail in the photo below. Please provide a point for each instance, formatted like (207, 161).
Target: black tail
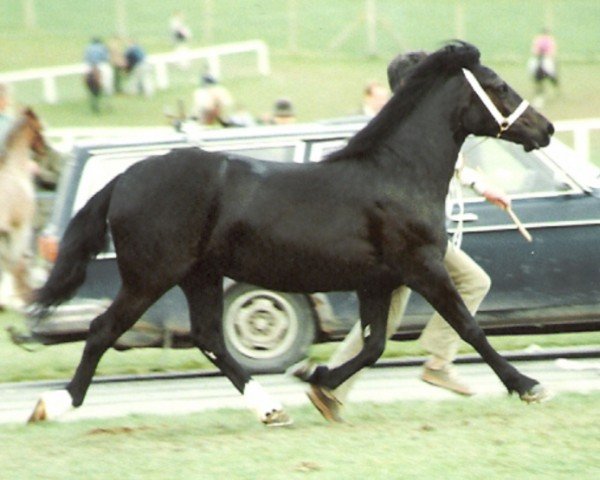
(85, 237)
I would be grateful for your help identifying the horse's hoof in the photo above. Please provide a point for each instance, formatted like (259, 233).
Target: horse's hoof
(278, 418)
(536, 394)
(39, 413)
(51, 405)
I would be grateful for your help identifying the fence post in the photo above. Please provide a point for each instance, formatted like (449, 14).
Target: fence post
(371, 24)
(121, 18)
(459, 21)
(581, 142)
(292, 16)
(214, 65)
(162, 75)
(207, 23)
(29, 12)
(264, 65)
(50, 89)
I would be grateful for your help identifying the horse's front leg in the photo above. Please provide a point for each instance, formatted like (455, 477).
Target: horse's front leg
(433, 282)
(374, 309)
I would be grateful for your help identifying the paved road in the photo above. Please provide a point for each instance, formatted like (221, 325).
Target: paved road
(196, 394)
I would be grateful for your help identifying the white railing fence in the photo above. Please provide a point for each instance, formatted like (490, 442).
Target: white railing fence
(161, 63)
(581, 130)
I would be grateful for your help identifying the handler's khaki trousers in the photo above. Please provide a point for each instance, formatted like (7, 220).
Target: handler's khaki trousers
(438, 338)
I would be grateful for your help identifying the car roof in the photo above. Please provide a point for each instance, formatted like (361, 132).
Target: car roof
(562, 156)
(194, 135)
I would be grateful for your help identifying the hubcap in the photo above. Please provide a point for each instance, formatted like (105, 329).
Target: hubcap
(261, 324)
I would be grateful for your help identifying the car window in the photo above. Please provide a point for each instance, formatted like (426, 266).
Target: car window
(320, 150)
(98, 171)
(503, 164)
(273, 153)
(510, 168)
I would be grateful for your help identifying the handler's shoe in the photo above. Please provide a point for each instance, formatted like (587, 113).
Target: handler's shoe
(325, 403)
(302, 370)
(446, 378)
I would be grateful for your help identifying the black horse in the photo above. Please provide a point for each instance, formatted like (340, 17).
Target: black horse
(368, 218)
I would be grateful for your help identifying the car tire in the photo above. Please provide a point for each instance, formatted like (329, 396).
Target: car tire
(267, 331)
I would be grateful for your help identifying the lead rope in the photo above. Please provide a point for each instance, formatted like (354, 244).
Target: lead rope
(458, 200)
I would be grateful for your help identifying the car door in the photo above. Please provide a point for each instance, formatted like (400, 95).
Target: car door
(556, 277)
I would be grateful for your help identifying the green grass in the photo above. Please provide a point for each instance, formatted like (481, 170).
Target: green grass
(322, 82)
(59, 361)
(497, 438)
(503, 30)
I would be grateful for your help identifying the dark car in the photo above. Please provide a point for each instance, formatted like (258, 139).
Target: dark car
(549, 285)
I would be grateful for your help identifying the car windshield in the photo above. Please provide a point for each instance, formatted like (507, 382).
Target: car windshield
(513, 170)
(503, 164)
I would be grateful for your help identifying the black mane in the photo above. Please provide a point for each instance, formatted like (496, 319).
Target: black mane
(436, 67)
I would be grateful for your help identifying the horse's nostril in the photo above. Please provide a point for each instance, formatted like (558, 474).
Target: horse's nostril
(550, 129)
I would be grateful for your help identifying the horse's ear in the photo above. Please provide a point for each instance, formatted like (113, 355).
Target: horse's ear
(28, 111)
(462, 54)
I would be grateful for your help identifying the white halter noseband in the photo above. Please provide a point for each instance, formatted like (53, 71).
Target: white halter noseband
(503, 122)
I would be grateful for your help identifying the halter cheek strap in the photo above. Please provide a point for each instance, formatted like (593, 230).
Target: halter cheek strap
(503, 122)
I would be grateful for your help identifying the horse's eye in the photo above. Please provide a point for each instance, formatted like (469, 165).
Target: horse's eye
(503, 89)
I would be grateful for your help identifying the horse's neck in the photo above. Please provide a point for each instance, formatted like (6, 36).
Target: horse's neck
(17, 155)
(430, 140)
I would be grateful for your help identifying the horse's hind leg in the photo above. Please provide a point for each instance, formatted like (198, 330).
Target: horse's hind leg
(104, 331)
(374, 309)
(16, 259)
(21, 272)
(204, 293)
(433, 282)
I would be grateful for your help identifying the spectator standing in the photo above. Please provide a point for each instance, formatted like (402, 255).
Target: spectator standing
(211, 102)
(282, 114)
(542, 65)
(46, 168)
(6, 117)
(375, 96)
(180, 36)
(140, 72)
(96, 56)
(118, 62)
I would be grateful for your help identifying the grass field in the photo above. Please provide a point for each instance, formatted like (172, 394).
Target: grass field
(322, 81)
(496, 439)
(502, 29)
(59, 361)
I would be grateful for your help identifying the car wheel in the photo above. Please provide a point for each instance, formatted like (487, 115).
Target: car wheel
(267, 331)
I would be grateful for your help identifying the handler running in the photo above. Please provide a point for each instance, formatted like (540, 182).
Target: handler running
(438, 338)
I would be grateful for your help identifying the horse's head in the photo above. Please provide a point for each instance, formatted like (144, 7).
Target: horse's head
(35, 129)
(495, 109)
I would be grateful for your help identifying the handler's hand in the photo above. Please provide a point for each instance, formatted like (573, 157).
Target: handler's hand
(497, 198)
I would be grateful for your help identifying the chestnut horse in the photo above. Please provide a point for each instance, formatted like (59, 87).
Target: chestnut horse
(17, 198)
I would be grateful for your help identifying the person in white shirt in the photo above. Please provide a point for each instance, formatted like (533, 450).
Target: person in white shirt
(212, 101)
